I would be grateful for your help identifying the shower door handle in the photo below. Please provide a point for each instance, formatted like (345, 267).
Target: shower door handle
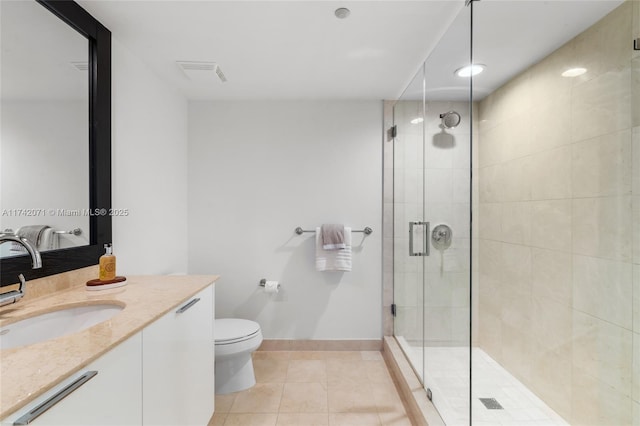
(425, 245)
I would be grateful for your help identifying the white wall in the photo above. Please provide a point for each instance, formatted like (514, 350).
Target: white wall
(44, 165)
(257, 170)
(149, 154)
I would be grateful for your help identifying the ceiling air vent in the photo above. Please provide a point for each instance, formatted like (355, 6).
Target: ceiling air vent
(80, 66)
(201, 71)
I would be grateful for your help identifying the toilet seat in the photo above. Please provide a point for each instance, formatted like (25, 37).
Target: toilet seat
(232, 330)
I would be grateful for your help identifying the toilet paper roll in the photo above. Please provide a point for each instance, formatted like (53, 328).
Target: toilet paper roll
(271, 286)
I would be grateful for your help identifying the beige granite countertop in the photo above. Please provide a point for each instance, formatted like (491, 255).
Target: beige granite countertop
(27, 372)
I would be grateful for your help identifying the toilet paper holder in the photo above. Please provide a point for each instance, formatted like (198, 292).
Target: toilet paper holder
(263, 282)
(269, 288)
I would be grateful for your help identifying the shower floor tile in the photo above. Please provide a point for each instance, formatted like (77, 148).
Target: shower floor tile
(447, 377)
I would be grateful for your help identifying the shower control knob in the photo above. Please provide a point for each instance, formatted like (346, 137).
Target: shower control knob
(441, 237)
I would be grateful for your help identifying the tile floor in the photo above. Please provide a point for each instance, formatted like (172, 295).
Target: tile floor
(302, 388)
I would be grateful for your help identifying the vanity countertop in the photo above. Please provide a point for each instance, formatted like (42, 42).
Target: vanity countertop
(29, 371)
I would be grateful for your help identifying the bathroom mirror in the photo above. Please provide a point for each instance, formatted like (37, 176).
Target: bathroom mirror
(55, 122)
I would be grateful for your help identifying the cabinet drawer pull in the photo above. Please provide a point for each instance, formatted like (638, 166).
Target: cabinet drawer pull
(42, 408)
(188, 305)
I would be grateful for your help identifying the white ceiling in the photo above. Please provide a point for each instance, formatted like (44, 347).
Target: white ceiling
(299, 50)
(282, 49)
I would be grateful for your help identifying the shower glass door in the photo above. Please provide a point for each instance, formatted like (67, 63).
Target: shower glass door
(409, 226)
(432, 230)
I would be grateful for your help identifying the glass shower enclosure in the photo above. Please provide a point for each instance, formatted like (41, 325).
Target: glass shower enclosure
(432, 196)
(516, 216)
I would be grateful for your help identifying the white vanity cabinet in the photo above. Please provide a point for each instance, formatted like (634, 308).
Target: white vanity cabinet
(178, 365)
(110, 397)
(162, 375)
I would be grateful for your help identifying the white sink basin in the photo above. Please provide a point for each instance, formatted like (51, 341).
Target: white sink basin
(55, 324)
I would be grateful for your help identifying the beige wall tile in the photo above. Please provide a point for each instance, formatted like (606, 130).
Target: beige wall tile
(603, 288)
(635, 88)
(601, 227)
(552, 275)
(635, 162)
(517, 137)
(636, 298)
(552, 376)
(602, 166)
(601, 105)
(564, 146)
(596, 403)
(490, 335)
(636, 367)
(517, 310)
(551, 325)
(516, 267)
(603, 351)
(516, 180)
(490, 221)
(516, 351)
(509, 100)
(635, 228)
(551, 224)
(551, 174)
(490, 278)
(603, 47)
(550, 126)
(516, 222)
(549, 89)
(491, 184)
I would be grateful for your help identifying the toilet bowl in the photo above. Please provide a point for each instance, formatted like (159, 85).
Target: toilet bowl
(235, 341)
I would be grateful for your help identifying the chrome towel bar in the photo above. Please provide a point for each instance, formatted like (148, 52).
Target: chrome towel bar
(366, 230)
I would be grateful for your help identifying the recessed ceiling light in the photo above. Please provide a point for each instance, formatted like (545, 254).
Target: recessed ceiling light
(574, 72)
(417, 120)
(342, 12)
(470, 70)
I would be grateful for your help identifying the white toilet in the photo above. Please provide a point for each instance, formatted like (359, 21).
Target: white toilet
(235, 341)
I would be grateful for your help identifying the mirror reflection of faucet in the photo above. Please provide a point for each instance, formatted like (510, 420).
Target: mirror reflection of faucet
(36, 262)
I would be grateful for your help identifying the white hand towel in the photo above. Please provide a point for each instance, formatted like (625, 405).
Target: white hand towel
(333, 260)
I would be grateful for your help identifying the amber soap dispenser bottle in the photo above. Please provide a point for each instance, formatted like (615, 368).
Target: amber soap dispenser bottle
(107, 264)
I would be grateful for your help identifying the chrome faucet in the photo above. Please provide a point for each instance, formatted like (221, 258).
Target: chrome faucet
(36, 261)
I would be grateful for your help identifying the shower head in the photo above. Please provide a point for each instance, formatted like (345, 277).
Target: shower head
(450, 119)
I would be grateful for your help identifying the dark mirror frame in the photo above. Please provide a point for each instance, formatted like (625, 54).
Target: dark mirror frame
(57, 261)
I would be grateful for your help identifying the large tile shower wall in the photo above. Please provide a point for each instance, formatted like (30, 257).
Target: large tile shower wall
(559, 222)
(445, 173)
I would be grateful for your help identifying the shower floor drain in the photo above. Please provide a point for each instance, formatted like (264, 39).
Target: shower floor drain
(491, 403)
